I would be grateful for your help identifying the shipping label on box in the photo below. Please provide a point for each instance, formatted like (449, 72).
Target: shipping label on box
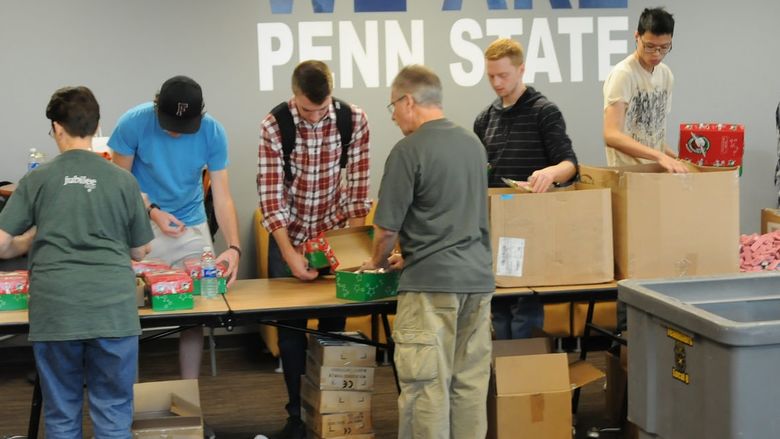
(554, 238)
(712, 144)
(335, 352)
(337, 425)
(334, 401)
(670, 225)
(339, 377)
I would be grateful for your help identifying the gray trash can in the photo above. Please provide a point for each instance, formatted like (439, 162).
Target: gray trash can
(704, 356)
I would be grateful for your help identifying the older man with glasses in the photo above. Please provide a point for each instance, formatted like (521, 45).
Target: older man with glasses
(638, 97)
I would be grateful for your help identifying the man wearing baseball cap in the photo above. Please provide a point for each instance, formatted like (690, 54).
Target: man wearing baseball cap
(167, 144)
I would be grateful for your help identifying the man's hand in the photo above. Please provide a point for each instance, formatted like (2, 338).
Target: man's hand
(168, 224)
(396, 262)
(230, 257)
(299, 266)
(672, 165)
(541, 180)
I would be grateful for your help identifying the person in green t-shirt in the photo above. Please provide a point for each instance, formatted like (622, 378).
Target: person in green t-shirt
(82, 219)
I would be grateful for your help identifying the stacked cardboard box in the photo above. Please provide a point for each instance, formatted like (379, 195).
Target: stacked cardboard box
(337, 388)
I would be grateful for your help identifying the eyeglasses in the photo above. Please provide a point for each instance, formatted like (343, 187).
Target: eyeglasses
(391, 106)
(652, 48)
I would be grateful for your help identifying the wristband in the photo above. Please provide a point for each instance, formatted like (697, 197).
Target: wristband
(237, 249)
(150, 208)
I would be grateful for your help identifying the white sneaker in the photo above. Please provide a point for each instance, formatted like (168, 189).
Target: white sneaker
(261, 436)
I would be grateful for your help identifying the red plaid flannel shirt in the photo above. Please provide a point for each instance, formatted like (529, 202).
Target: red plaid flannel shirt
(318, 199)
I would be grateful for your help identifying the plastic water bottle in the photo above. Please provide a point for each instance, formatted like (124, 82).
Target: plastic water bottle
(34, 159)
(208, 274)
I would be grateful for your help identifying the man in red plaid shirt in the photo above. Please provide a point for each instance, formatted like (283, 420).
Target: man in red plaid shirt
(309, 194)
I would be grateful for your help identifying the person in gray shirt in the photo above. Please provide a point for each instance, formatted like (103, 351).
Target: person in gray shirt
(433, 198)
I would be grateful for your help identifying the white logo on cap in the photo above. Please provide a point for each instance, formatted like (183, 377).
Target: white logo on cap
(181, 108)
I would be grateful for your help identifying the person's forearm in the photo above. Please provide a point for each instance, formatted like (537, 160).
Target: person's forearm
(384, 242)
(564, 171)
(227, 219)
(283, 242)
(14, 246)
(629, 146)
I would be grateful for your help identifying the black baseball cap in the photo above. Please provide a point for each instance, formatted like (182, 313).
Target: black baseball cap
(180, 105)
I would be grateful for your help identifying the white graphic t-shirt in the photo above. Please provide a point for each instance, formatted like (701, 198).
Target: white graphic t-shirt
(648, 98)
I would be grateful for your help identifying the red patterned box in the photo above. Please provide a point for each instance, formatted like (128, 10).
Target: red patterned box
(712, 144)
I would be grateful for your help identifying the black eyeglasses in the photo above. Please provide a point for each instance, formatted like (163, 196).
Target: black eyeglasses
(652, 48)
(391, 105)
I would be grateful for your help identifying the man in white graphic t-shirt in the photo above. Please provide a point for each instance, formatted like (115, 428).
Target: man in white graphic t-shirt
(638, 97)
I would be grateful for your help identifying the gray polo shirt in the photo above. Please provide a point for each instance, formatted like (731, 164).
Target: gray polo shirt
(434, 193)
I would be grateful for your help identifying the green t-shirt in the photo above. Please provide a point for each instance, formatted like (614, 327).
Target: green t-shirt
(89, 213)
(434, 193)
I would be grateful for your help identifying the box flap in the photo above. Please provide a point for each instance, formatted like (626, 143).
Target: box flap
(352, 246)
(157, 396)
(532, 374)
(582, 373)
(521, 346)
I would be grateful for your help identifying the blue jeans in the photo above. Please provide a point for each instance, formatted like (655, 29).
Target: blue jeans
(107, 366)
(517, 319)
(292, 343)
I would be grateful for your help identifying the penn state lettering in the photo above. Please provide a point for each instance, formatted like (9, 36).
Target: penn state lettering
(326, 6)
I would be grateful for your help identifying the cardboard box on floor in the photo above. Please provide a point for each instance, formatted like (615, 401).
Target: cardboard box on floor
(339, 377)
(669, 225)
(336, 352)
(167, 409)
(353, 246)
(770, 220)
(530, 390)
(337, 425)
(334, 401)
(562, 237)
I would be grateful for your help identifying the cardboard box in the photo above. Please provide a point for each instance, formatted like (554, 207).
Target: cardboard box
(340, 353)
(553, 238)
(530, 390)
(352, 436)
(353, 246)
(334, 401)
(337, 425)
(712, 144)
(669, 225)
(14, 290)
(339, 377)
(167, 409)
(770, 220)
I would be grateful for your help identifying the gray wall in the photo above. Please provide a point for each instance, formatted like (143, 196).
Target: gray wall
(724, 61)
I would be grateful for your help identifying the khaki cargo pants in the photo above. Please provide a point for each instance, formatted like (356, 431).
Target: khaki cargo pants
(442, 354)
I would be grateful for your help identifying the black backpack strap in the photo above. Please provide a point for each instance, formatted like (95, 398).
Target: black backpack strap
(344, 124)
(284, 120)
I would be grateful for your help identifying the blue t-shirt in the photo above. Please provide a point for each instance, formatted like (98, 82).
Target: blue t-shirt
(168, 169)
